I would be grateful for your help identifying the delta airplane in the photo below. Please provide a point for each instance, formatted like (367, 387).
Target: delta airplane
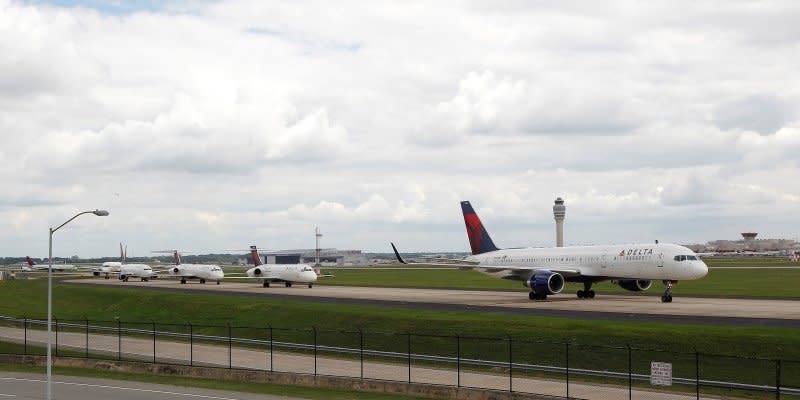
(201, 272)
(110, 267)
(33, 266)
(545, 270)
(287, 273)
(126, 271)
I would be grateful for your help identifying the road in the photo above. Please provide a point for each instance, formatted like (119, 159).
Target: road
(15, 385)
(249, 358)
(716, 311)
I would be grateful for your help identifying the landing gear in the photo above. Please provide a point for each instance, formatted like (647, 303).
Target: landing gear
(288, 284)
(183, 281)
(203, 281)
(667, 296)
(265, 284)
(217, 282)
(310, 285)
(537, 296)
(107, 276)
(144, 279)
(124, 278)
(587, 292)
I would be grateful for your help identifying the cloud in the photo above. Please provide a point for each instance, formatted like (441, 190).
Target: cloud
(764, 114)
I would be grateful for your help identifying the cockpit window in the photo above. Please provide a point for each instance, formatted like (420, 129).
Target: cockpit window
(684, 258)
(691, 258)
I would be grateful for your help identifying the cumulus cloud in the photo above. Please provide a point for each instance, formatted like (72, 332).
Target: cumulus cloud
(208, 125)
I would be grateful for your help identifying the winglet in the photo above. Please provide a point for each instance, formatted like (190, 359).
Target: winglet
(397, 254)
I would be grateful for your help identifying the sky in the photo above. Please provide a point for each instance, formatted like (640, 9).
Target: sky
(209, 126)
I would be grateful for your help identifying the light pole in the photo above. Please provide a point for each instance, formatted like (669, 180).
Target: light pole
(99, 213)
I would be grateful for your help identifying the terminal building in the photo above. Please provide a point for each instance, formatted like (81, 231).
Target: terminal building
(308, 256)
(748, 243)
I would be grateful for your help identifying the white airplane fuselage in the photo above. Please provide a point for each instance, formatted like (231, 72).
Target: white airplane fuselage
(302, 273)
(204, 272)
(141, 271)
(635, 261)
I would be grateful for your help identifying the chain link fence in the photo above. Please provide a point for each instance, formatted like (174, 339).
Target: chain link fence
(514, 364)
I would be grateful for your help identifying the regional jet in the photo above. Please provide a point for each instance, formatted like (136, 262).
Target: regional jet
(34, 266)
(287, 273)
(545, 270)
(124, 270)
(201, 272)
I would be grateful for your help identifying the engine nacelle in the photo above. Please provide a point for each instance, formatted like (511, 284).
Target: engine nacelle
(176, 270)
(96, 273)
(546, 282)
(635, 285)
(257, 271)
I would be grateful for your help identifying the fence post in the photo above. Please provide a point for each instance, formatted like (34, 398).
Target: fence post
(409, 356)
(25, 335)
(119, 340)
(566, 347)
(697, 373)
(154, 341)
(630, 374)
(86, 320)
(314, 332)
(191, 344)
(55, 320)
(778, 379)
(458, 360)
(270, 350)
(230, 347)
(510, 367)
(361, 350)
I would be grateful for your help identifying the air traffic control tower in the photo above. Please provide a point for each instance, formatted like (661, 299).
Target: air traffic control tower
(559, 212)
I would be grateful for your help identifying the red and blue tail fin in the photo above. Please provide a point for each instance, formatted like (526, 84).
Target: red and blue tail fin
(254, 254)
(479, 239)
(177, 257)
(30, 261)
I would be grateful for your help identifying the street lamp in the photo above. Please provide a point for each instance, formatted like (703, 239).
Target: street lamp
(99, 213)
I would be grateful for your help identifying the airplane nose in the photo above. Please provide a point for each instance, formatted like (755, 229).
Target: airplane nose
(701, 269)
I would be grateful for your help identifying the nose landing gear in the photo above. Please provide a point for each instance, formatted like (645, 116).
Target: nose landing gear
(667, 296)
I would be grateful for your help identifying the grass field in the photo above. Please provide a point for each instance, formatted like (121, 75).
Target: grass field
(736, 278)
(28, 298)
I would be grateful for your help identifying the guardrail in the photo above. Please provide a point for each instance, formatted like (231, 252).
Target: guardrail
(408, 357)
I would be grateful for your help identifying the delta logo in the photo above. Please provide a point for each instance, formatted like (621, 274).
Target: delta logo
(635, 252)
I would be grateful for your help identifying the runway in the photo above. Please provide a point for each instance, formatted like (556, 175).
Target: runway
(694, 310)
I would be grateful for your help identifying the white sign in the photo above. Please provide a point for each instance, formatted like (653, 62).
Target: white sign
(660, 373)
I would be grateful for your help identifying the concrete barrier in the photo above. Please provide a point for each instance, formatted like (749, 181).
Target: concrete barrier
(282, 378)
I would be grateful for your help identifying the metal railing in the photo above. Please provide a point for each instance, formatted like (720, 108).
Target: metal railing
(505, 355)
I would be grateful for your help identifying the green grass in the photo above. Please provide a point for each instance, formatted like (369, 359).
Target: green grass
(226, 385)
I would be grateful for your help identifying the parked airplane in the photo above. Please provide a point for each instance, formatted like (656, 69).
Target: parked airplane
(287, 273)
(111, 267)
(201, 272)
(33, 266)
(545, 270)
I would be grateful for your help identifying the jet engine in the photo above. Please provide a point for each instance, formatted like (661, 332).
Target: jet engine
(257, 271)
(176, 270)
(96, 273)
(546, 282)
(635, 285)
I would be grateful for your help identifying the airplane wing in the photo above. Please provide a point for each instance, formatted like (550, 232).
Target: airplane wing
(521, 272)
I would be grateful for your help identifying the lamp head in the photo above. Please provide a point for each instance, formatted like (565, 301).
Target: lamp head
(100, 213)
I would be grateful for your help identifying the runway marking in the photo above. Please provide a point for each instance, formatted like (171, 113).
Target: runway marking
(8, 395)
(123, 388)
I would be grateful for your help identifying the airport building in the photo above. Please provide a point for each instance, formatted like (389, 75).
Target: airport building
(308, 256)
(748, 243)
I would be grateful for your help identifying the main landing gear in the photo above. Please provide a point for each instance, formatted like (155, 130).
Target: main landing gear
(667, 296)
(586, 293)
(203, 281)
(288, 284)
(183, 281)
(310, 285)
(265, 283)
(537, 296)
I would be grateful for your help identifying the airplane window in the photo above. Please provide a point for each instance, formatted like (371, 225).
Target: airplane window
(691, 258)
(677, 258)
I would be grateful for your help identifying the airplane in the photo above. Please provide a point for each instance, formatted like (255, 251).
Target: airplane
(287, 273)
(110, 267)
(201, 272)
(34, 266)
(545, 270)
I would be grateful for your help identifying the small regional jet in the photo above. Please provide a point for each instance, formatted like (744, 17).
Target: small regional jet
(287, 273)
(111, 267)
(34, 266)
(545, 270)
(201, 272)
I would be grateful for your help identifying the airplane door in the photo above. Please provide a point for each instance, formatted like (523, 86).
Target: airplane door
(660, 260)
(603, 262)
